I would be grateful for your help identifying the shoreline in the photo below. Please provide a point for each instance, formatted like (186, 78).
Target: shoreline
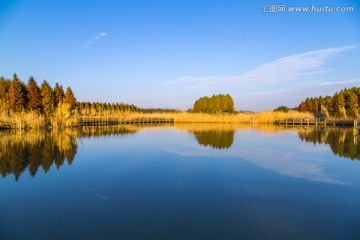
(36, 121)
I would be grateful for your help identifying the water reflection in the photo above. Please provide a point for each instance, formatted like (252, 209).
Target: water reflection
(128, 186)
(342, 142)
(31, 150)
(277, 149)
(220, 136)
(216, 139)
(206, 127)
(87, 132)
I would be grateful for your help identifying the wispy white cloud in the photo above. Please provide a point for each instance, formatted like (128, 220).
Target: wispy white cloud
(97, 37)
(293, 162)
(339, 82)
(303, 86)
(87, 43)
(295, 70)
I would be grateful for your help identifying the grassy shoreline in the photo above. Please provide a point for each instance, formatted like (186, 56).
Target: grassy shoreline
(35, 121)
(268, 117)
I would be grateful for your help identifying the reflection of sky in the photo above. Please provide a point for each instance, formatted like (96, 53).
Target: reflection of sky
(282, 153)
(130, 188)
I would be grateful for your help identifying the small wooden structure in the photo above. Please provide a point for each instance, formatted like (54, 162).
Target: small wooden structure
(114, 121)
(317, 122)
(98, 121)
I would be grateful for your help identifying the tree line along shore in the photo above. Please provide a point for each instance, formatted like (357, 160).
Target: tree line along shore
(28, 105)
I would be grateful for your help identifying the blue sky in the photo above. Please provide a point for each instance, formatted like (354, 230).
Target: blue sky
(161, 53)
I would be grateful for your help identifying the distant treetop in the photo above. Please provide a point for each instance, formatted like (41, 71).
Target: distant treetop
(215, 104)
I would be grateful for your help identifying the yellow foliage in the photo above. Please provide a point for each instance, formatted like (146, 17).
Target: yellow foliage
(185, 117)
(64, 117)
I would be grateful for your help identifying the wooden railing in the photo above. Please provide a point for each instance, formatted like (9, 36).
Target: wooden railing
(114, 121)
(317, 122)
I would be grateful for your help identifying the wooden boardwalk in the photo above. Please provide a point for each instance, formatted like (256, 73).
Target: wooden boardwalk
(114, 121)
(317, 122)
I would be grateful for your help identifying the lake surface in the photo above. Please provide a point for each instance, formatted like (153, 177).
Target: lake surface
(180, 182)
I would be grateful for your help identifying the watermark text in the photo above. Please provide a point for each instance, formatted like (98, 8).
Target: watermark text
(279, 8)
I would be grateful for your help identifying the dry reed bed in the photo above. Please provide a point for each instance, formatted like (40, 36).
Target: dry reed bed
(184, 117)
(36, 121)
(23, 120)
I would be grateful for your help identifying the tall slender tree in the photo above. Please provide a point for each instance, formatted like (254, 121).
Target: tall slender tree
(17, 95)
(4, 88)
(302, 107)
(33, 96)
(48, 99)
(58, 94)
(351, 104)
(315, 105)
(70, 98)
(338, 105)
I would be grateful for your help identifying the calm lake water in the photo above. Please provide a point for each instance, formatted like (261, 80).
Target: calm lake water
(180, 182)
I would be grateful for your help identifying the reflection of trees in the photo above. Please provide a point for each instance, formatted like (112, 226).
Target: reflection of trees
(341, 141)
(106, 131)
(21, 151)
(29, 151)
(197, 127)
(218, 139)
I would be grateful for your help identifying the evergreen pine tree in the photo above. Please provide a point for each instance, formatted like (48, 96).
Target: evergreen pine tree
(48, 99)
(302, 107)
(70, 98)
(4, 88)
(33, 96)
(315, 105)
(351, 104)
(58, 94)
(17, 95)
(338, 105)
(309, 105)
